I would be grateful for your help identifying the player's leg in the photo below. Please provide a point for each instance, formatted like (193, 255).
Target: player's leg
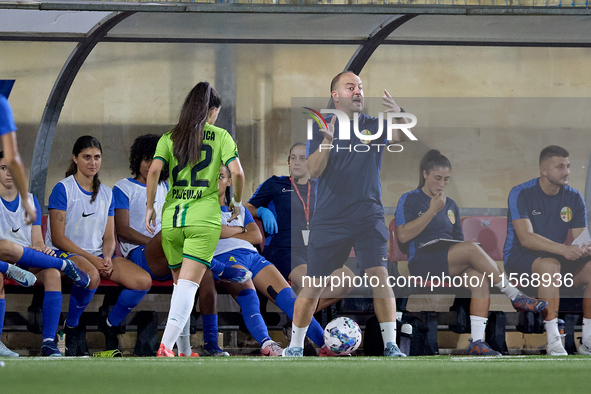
(582, 277)
(479, 307)
(136, 282)
(328, 250)
(551, 294)
(4, 351)
(19, 275)
(209, 315)
(272, 285)
(79, 300)
(370, 244)
(52, 308)
(28, 257)
(183, 248)
(246, 296)
(155, 258)
(328, 296)
(465, 255)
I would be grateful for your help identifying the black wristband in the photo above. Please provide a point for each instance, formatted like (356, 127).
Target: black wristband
(243, 229)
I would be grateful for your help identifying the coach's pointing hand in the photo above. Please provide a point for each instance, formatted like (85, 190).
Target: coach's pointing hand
(329, 131)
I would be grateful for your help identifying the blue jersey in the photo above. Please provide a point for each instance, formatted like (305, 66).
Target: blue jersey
(445, 224)
(6, 117)
(277, 193)
(349, 188)
(550, 216)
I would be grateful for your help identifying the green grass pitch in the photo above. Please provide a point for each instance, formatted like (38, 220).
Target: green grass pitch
(362, 375)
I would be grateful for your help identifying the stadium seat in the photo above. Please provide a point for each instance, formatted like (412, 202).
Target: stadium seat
(489, 231)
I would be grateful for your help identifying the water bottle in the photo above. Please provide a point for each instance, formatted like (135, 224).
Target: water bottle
(561, 330)
(405, 335)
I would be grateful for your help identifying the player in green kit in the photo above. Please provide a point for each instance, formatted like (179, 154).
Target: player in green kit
(191, 218)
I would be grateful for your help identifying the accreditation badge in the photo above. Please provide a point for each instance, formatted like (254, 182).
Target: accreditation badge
(306, 236)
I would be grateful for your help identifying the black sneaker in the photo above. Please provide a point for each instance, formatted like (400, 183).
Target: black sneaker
(111, 332)
(75, 341)
(71, 334)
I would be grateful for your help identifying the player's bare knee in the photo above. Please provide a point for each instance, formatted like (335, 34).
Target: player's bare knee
(51, 276)
(95, 279)
(9, 251)
(546, 266)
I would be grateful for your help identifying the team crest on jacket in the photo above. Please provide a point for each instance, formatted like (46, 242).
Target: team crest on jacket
(365, 132)
(451, 216)
(566, 214)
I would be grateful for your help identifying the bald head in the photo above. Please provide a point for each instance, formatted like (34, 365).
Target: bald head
(335, 81)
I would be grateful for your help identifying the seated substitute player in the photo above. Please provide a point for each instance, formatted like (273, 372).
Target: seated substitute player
(13, 252)
(426, 214)
(235, 248)
(285, 204)
(145, 250)
(27, 240)
(81, 227)
(541, 212)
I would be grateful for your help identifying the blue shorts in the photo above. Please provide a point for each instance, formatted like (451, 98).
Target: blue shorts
(432, 262)
(249, 259)
(330, 245)
(521, 262)
(138, 257)
(285, 259)
(63, 255)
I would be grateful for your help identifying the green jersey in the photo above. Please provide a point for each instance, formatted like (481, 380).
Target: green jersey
(192, 199)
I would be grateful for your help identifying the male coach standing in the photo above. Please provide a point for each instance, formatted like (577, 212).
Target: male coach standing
(349, 212)
(541, 212)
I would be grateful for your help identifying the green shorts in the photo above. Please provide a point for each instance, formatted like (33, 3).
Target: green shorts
(191, 242)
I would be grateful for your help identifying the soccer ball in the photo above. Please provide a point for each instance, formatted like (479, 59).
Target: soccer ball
(342, 335)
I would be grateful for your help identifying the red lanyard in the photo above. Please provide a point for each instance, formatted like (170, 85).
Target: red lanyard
(307, 204)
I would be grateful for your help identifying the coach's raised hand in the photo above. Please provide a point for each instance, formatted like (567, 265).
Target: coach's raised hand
(328, 132)
(389, 103)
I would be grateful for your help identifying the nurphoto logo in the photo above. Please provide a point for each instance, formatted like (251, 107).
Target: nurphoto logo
(364, 135)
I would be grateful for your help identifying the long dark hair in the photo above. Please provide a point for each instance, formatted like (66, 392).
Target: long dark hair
(86, 141)
(431, 160)
(143, 148)
(187, 135)
(227, 196)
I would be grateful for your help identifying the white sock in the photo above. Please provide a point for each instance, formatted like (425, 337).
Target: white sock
(478, 325)
(388, 332)
(298, 334)
(508, 289)
(551, 329)
(183, 343)
(586, 330)
(267, 343)
(181, 305)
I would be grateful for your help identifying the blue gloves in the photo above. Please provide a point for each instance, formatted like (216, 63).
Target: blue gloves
(269, 221)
